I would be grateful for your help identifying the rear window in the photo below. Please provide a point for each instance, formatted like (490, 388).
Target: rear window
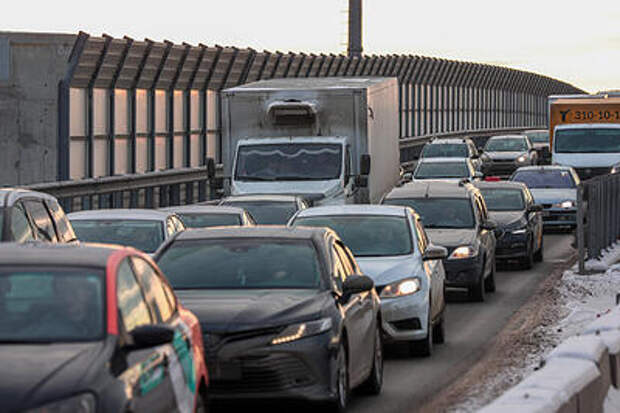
(210, 220)
(51, 304)
(241, 264)
(144, 235)
(440, 212)
(438, 170)
(503, 199)
(445, 150)
(267, 213)
(545, 178)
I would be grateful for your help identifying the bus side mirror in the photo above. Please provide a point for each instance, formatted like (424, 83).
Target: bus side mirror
(365, 164)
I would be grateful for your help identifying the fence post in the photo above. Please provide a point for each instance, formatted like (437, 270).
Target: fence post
(581, 230)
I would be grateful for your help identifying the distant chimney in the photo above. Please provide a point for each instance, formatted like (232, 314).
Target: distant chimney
(355, 28)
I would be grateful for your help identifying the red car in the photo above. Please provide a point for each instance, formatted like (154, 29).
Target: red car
(95, 328)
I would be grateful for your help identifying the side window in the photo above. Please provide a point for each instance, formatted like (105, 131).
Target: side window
(65, 230)
(42, 220)
(131, 304)
(21, 230)
(153, 288)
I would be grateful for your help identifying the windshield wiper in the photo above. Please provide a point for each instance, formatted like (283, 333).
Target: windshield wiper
(255, 178)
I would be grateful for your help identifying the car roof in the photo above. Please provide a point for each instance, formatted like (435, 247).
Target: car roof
(443, 160)
(205, 209)
(508, 137)
(434, 189)
(259, 231)
(8, 196)
(500, 185)
(380, 210)
(261, 197)
(544, 168)
(47, 253)
(134, 214)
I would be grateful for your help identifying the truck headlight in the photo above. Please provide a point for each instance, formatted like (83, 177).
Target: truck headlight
(465, 251)
(296, 331)
(401, 288)
(83, 403)
(565, 204)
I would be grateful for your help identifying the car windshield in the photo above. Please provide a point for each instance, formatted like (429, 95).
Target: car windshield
(539, 137)
(438, 170)
(367, 235)
(506, 145)
(267, 213)
(198, 220)
(145, 235)
(51, 304)
(292, 162)
(545, 178)
(590, 140)
(440, 212)
(498, 199)
(241, 263)
(445, 150)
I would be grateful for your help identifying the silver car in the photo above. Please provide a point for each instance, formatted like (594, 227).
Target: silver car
(144, 229)
(445, 169)
(391, 246)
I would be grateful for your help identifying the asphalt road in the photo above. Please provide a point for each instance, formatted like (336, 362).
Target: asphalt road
(409, 382)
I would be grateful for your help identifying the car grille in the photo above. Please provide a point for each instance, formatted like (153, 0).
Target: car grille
(267, 373)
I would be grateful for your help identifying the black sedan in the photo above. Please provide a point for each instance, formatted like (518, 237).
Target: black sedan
(92, 328)
(519, 221)
(283, 310)
(504, 154)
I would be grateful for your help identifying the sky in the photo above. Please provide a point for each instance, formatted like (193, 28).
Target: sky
(577, 42)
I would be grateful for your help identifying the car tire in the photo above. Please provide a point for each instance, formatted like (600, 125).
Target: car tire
(341, 400)
(439, 330)
(476, 291)
(423, 347)
(538, 257)
(527, 262)
(489, 282)
(374, 383)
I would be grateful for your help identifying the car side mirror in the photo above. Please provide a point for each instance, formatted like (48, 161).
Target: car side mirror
(357, 284)
(535, 208)
(365, 164)
(434, 252)
(488, 225)
(148, 336)
(210, 168)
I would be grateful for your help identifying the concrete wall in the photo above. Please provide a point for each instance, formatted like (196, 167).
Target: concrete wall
(31, 65)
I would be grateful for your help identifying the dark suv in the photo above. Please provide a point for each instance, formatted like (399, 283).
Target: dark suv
(455, 216)
(452, 148)
(504, 154)
(29, 215)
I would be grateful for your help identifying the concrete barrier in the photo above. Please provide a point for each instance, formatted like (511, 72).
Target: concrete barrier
(532, 400)
(608, 322)
(612, 342)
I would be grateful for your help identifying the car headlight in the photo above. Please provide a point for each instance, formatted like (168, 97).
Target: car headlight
(301, 330)
(522, 158)
(565, 204)
(466, 251)
(83, 403)
(519, 231)
(401, 288)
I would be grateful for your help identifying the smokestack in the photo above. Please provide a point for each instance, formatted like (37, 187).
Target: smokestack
(355, 28)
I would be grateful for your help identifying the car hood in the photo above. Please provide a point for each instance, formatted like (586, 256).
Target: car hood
(385, 270)
(451, 237)
(313, 189)
(508, 219)
(228, 311)
(553, 195)
(40, 373)
(504, 156)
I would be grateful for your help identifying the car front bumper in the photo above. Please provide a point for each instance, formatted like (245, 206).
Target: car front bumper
(463, 273)
(510, 246)
(560, 217)
(303, 369)
(405, 318)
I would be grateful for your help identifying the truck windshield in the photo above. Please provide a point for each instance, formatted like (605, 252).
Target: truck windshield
(289, 162)
(590, 140)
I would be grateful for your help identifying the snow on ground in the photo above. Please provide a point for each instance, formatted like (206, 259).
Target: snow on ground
(582, 299)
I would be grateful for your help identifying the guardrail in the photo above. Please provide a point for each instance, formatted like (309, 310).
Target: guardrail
(189, 185)
(598, 221)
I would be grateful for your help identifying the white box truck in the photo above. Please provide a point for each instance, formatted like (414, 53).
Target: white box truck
(313, 137)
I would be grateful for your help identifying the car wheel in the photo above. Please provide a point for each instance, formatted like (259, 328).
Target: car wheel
(439, 330)
(489, 282)
(424, 347)
(528, 261)
(375, 381)
(476, 291)
(339, 404)
(538, 257)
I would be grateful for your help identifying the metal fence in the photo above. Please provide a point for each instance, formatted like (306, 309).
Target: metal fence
(128, 106)
(598, 221)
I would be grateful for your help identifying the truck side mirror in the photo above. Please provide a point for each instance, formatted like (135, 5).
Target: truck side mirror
(365, 164)
(210, 168)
